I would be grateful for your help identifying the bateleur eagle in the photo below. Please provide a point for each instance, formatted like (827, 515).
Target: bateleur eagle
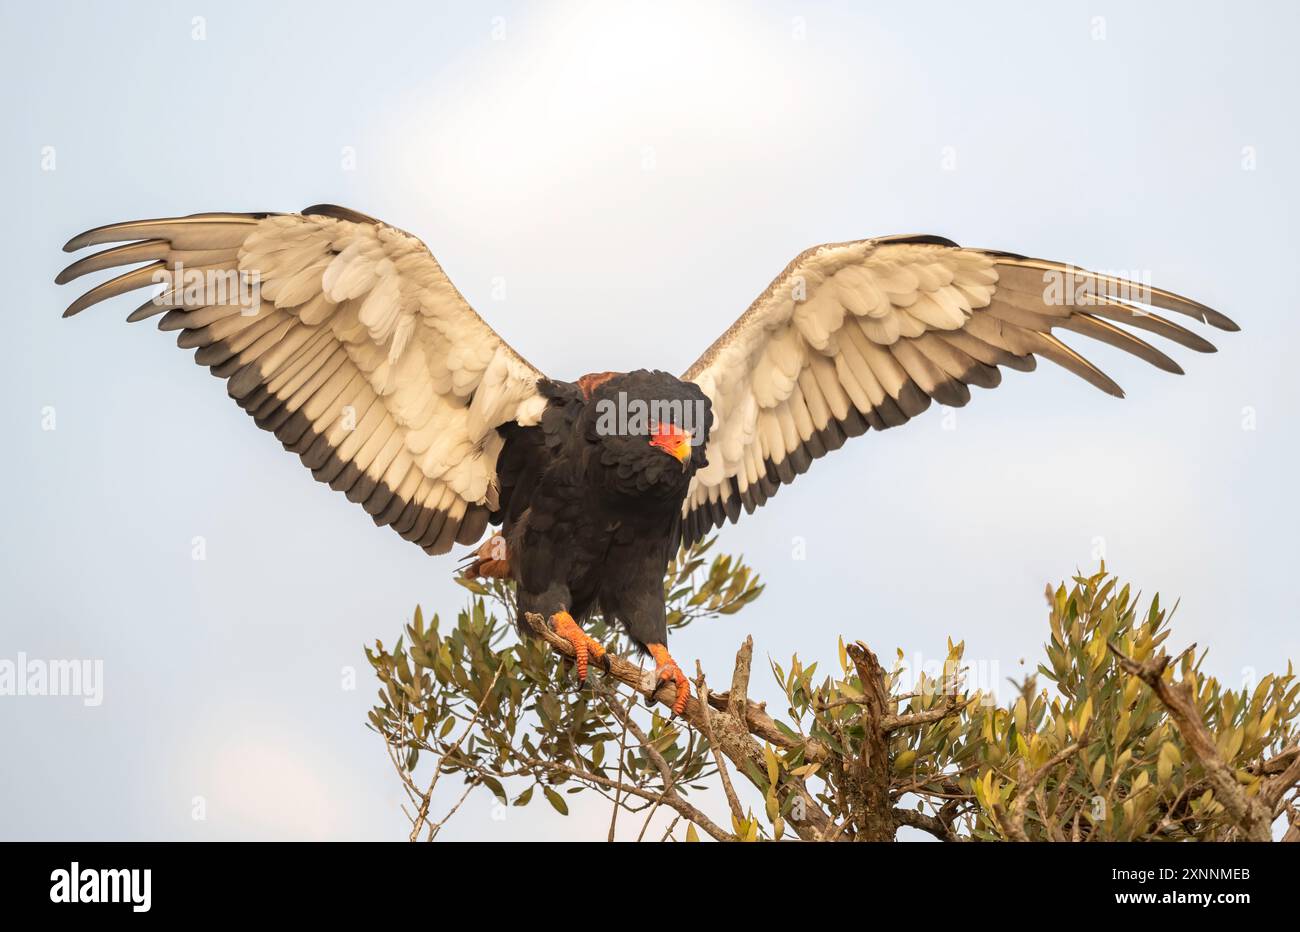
(364, 359)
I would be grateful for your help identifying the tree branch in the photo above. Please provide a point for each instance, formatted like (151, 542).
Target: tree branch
(1014, 823)
(738, 698)
(757, 721)
(1276, 788)
(669, 799)
(926, 823)
(734, 737)
(868, 779)
(423, 814)
(737, 810)
(1250, 814)
(1293, 827)
(1277, 764)
(892, 723)
(624, 717)
(622, 748)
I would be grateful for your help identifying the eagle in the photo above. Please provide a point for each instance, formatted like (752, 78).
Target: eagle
(342, 336)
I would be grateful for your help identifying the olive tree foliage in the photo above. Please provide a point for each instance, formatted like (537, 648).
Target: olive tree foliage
(1110, 739)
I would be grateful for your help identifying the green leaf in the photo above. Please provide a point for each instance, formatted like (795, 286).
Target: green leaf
(556, 800)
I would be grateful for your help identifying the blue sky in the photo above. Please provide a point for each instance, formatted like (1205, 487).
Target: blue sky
(634, 174)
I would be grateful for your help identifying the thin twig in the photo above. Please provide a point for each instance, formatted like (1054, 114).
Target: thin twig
(661, 764)
(437, 770)
(672, 800)
(622, 769)
(1014, 823)
(436, 827)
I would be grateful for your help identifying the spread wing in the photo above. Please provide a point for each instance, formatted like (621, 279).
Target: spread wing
(342, 336)
(863, 335)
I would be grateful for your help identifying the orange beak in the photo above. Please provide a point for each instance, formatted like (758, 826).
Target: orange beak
(674, 441)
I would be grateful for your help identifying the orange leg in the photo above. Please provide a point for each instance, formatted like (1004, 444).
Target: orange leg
(489, 561)
(583, 646)
(666, 669)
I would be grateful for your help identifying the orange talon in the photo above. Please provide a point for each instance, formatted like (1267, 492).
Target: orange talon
(666, 669)
(490, 561)
(583, 646)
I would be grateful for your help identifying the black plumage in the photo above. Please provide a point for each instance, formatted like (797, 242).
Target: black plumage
(590, 517)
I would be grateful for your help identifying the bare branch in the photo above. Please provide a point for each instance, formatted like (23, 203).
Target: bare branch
(425, 797)
(737, 811)
(1250, 814)
(1276, 788)
(1293, 828)
(622, 753)
(912, 719)
(739, 696)
(436, 827)
(733, 737)
(672, 800)
(1276, 764)
(868, 778)
(1014, 821)
(661, 764)
(757, 721)
(926, 823)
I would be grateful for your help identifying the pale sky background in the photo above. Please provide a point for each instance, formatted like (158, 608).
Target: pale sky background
(635, 174)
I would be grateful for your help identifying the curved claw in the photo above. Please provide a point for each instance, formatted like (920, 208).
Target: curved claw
(584, 647)
(666, 670)
(490, 561)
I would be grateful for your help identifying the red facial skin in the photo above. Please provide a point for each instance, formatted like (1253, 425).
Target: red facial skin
(674, 441)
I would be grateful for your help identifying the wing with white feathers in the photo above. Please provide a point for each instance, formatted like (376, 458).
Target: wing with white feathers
(343, 337)
(864, 334)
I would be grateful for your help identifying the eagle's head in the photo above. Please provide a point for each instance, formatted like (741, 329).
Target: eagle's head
(651, 429)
